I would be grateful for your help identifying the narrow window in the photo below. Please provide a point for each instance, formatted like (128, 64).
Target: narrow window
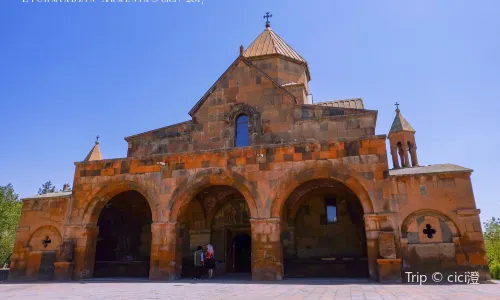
(242, 138)
(409, 156)
(401, 154)
(331, 210)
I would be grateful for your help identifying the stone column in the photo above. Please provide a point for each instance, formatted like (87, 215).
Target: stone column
(403, 242)
(389, 266)
(405, 155)
(383, 264)
(413, 153)
(85, 239)
(166, 259)
(64, 266)
(267, 252)
(401, 156)
(371, 229)
(394, 154)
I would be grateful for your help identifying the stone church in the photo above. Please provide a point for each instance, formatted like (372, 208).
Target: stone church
(280, 186)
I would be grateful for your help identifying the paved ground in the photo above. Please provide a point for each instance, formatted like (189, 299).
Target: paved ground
(226, 289)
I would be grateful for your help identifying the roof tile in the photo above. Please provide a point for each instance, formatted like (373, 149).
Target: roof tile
(400, 124)
(268, 43)
(356, 103)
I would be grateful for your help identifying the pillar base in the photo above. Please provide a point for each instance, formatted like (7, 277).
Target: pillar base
(63, 271)
(389, 270)
(164, 271)
(166, 261)
(266, 250)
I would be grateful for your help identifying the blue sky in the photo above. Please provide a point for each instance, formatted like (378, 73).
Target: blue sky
(71, 71)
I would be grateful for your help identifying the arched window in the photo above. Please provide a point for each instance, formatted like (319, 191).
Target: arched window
(242, 139)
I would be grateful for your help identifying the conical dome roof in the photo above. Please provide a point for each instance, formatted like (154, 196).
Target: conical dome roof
(94, 154)
(400, 124)
(269, 43)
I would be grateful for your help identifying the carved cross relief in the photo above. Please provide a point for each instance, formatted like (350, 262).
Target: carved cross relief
(46, 242)
(429, 231)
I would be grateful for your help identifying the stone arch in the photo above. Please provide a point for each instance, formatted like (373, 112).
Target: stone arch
(253, 114)
(254, 122)
(211, 177)
(35, 241)
(413, 217)
(318, 170)
(107, 191)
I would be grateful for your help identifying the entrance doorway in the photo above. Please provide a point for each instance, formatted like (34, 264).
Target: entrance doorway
(124, 242)
(218, 215)
(242, 252)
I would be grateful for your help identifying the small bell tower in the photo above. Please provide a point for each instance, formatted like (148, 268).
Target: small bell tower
(402, 142)
(95, 152)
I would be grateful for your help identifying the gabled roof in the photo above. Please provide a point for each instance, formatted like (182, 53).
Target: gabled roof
(248, 63)
(94, 154)
(51, 195)
(356, 103)
(400, 123)
(268, 43)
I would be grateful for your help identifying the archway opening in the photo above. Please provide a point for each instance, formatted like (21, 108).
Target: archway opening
(323, 233)
(218, 215)
(123, 246)
(242, 253)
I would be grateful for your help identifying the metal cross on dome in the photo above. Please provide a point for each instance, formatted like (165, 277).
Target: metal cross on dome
(397, 105)
(429, 231)
(267, 16)
(46, 242)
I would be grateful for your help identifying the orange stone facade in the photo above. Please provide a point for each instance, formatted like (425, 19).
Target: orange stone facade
(199, 188)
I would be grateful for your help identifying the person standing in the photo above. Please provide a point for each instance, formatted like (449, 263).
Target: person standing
(198, 262)
(210, 260)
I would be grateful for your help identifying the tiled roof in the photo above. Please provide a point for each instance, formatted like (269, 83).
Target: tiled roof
(400, 124)
(348, 103)
(51, 195)
(94, 154)
(268, 43)
(441, 168)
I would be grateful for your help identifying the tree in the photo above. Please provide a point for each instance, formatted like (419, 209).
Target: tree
(10, 212)
(47, 188)
(492, 245)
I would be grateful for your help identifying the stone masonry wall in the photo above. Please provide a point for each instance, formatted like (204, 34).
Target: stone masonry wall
(264, 175)
(444, 205)
(284, 71)
(275, 117)
(40, 218)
